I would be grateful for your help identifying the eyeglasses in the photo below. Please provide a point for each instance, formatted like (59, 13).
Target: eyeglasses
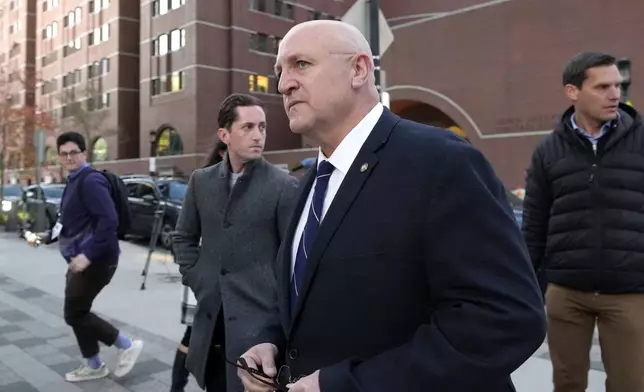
(71, 154)
(278, 383)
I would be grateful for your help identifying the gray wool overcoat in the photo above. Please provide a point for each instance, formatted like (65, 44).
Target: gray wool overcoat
(234, 267)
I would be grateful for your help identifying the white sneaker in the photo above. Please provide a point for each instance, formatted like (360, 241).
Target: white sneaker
(127, 358)
(86, 373)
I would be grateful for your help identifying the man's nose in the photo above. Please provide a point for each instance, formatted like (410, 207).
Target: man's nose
(286, 84)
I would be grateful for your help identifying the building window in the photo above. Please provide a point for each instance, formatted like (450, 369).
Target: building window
(15, 50)
(95, 6)
(170, 83)
(69, 20)
(50, 31)
(49, 87)
(166, 43)
(276, 44)
(258, 83)
(99, 35)
(169, 143)
(258, 5)
(177, 39)
(314, 15)
(162, 7)
(15, 27)
(50, 58)
(99, 150)
(98, 68)
(73, 18)
(288, 11)
(259, 42)
(176, 81)
(72, 78)
(72, 47)
(49, 4)
(51, 156)
(283, 9)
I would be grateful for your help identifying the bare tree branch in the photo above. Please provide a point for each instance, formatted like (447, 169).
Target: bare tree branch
(86, 114)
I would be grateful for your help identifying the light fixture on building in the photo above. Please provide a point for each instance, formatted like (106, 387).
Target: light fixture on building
(624, 66)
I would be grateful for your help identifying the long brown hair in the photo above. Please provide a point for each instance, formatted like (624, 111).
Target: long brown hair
(216, 154)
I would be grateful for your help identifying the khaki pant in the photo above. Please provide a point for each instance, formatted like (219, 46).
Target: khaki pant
(571, 322)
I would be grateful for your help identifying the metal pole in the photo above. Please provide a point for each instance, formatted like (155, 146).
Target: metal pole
(2, 154)
(374, 39)
(40, 224)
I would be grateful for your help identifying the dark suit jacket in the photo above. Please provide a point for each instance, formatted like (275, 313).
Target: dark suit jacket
(418, 280)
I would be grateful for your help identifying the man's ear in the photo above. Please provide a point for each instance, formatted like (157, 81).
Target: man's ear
(224, 135)
(362, 70)
(572, 92)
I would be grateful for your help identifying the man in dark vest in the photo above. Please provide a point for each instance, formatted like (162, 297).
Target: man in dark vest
(583, 225)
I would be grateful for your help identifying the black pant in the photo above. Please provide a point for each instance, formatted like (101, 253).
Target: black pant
(216, 366)
(80, 291)
(185, 341)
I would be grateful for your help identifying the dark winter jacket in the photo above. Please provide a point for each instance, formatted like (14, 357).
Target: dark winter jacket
(583, 216)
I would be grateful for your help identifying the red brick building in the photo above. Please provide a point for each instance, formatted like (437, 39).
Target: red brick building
(495, 70)
(491, 68)
(194, 54)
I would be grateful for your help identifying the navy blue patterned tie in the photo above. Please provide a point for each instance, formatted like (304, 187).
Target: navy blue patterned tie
(310, 229)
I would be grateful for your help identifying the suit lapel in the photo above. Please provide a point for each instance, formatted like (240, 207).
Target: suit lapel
(287, 249)
(362, 167)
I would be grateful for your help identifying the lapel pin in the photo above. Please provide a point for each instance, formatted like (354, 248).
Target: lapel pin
(364, 167)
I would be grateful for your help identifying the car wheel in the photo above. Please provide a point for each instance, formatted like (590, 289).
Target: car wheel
(165, 237)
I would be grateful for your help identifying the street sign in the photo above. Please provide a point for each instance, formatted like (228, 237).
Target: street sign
(358, 15)
(40, 141)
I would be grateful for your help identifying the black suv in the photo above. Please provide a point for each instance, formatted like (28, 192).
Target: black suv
(146, 194)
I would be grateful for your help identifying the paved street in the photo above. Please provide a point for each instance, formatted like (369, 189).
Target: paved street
(37, 348)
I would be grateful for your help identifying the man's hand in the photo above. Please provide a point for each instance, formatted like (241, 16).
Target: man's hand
(79, 263)
(261, 355)
(307, 384)
(33, 239)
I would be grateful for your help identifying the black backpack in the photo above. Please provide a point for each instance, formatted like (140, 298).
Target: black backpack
(119, 197)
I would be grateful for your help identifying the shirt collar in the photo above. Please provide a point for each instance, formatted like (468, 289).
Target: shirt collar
(602, 131)
(72, 174)
(344, 155)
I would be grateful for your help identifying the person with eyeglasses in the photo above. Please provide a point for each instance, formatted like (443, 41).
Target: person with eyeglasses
(377, 292)
(87, 234)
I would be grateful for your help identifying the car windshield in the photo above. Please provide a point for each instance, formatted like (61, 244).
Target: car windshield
(53, 192)
(12, 191)
(177, 191)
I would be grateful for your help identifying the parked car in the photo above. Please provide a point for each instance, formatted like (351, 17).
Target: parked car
(10, 202)
(148, 194)
(50, 193)
(11, 194)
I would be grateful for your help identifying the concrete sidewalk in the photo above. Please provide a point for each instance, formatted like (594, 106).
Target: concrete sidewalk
(37, 348)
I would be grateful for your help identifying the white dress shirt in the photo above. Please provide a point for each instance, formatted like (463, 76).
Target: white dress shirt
(341, 159)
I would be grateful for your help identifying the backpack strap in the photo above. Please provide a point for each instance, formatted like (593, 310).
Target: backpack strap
(81, 179)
